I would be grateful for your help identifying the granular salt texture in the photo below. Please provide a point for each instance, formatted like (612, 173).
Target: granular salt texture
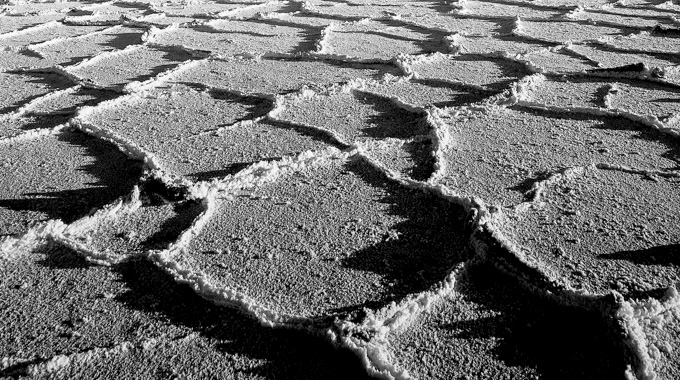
(328, 240)
(61, 176)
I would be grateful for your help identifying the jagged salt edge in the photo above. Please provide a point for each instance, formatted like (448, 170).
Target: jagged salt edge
(648, 120)
(264, 172)
(158, 8)
(412, 22)
(574, 13)
(323, 47)
(128, 147)
(605, 9)
(162, 77)
(33, 47)
(565, 295)
(57, 69)
(631, 313)
(494, 221)
(395, 318)
(227, 90)
(195, 53)
(96, 5)
(353, 59)
(570, 48)
(524, 59)
(101, 56)
(520, 95)
(631, 170)
(10, 246)
(59, 363)
(373, 356)
(406, 62)
(29, 107)
(254, 176)
(130, 87)
(89, 20)
(440, 138)
(441, 191)
(152, 33)
(224, 296)
(79, 121)
(608, 42)
(519, 29)
(30, 29)
(144, 21)
(280, 106)
(231, 13)
(540, 187)
(653, 74)
(135, 3)
(521, 90)
(321, 44)
(34, 134)
(68, 237)
(124, 205)
(491, 222)
(55, 229)
(310, 9)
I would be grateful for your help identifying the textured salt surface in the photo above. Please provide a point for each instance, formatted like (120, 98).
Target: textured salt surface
(339, 189)
(325, 251)
(60, 176)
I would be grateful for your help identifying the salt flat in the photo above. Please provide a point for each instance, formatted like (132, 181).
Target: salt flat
(323, 189)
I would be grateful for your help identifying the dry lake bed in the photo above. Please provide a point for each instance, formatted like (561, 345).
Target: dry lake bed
(340, 189)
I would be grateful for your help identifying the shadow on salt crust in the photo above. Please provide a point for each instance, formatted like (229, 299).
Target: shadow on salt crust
(72, 51)
(383, 40)
(279, 75)
(134, 320)
(231, 37)
(12, 60)
(134, 228)
(490, 73)
(16, 126)
(45, 32)
(19, 88)
(219, 127)
(139, 64)
(382, 128)
(62, 177)
(502, 174)
(602, 230)
(249, 348)
(11, 23)
(491, 327)
(329, 241)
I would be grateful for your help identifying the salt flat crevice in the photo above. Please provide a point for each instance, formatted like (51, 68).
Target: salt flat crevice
(44, 32)
(254, 37)
(110, 71)
(69, 51)
(373, 122)
(369, 40)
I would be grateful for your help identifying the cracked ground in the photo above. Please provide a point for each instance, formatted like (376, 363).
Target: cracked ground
(352, 189)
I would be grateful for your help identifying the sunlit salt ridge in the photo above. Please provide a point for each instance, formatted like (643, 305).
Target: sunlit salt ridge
(319, 189)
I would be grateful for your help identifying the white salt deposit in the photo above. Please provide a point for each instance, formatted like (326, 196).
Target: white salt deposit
(339, 189)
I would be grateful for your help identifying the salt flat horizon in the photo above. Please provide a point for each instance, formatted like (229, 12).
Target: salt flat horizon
(345, 189)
